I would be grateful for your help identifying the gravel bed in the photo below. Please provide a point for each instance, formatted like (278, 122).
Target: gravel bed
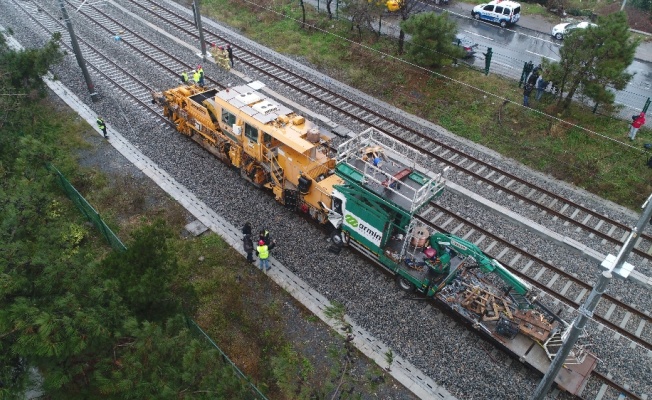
(432, 341)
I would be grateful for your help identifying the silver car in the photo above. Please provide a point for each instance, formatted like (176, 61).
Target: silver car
(466, 43)
(560, 30)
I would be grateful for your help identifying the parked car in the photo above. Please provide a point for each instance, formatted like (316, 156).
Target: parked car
(466, 43)
(561, 30)
(502, 12)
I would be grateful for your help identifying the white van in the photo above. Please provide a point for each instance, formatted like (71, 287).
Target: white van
(502, 12)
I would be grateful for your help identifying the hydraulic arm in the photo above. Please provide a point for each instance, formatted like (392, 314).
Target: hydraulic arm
(464, 248)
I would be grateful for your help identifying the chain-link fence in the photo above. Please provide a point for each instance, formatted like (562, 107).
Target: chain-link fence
(87, 210)
(254, 393)
(93, 216)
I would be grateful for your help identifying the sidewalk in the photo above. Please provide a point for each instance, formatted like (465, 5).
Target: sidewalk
(539, 23)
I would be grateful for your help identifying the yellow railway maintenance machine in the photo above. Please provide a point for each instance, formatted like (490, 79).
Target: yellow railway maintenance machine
(271, 145)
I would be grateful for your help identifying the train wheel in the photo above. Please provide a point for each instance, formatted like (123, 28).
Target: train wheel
(404, 284)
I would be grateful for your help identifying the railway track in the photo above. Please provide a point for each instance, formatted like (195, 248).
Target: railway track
(561, 285)
(546, 277)
(587, 223)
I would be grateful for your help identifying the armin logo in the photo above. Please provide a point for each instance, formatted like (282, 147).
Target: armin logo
(350, 219)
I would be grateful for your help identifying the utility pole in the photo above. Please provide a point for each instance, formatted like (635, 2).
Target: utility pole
(78, 55)
(202, 42)
(614, 266)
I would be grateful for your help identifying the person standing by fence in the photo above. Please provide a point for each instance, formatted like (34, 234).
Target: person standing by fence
(248, 242)
(527, 90)
(636, 124)
(541, 86)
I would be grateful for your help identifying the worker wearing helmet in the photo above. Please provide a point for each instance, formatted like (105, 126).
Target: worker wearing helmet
(195, 76)
(201, 75)
(264, 236)
(263, 254)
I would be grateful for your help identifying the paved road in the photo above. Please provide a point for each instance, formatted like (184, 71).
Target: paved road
(530, 40)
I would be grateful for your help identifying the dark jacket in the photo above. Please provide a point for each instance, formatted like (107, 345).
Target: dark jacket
(246, 229)
(527, 90)
(248, 243)
(264, 236)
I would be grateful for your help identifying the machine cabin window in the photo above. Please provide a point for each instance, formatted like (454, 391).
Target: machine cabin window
(228, 118)
(251, 132)
(267, 139)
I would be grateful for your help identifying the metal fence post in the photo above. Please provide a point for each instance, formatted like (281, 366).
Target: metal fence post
(527, 68)
(487, 60)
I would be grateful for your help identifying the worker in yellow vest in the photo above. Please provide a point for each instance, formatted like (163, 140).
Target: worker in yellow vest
(102, 126)
(263, 254)
(196, 76)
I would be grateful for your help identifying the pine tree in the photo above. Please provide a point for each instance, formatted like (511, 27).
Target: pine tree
(145, 273)
(594, 60)
(433, 37)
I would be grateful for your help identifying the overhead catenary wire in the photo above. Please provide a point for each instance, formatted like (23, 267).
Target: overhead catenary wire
(440, 75)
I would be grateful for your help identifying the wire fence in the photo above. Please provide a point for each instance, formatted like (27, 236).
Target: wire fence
(254, 392)
(113, 240)
(88, 210)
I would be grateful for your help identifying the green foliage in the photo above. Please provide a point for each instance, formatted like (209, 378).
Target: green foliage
(335, 311)
(594, 60)
(432, 41)
(645, 5)
(65, 328)
(24, 69)
(291, 373)
(363, 13)
(145, 273)
(164, 361)
(389, 357)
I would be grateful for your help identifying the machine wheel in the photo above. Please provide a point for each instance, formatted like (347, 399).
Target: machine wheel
(346, 237)
(503, 23)
(476, 16)
(404, 284)
(336, 242)
(559, 36)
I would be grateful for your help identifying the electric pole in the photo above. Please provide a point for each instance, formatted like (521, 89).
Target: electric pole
(202, 42)
(78, 55)
(613, 265)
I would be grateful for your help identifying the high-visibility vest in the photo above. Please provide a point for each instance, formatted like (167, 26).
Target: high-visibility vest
(100, 123)
(184, 76)
(196, 76)
(263, 252)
